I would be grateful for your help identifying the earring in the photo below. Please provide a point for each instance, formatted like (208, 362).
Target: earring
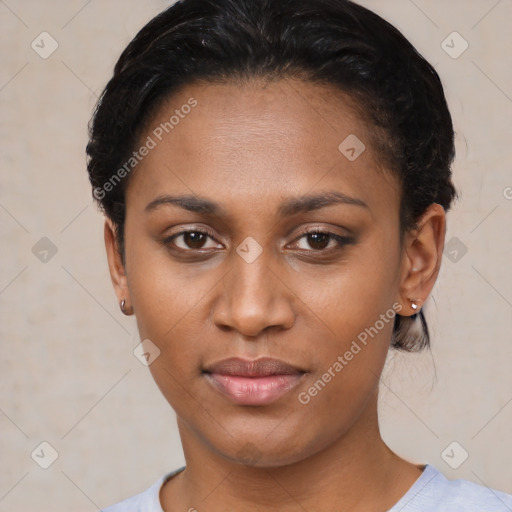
(414, 306)
(122, 305)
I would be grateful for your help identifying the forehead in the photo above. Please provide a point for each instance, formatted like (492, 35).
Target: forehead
(260, 139)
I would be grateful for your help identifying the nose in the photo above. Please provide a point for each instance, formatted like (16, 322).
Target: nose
(254, 298)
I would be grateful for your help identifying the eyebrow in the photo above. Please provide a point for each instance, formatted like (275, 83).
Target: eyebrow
(311, 202)
(290, 207)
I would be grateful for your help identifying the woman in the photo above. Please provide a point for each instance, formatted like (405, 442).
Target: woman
(275, 176)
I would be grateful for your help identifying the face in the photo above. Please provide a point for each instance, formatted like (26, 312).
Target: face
(251, 234)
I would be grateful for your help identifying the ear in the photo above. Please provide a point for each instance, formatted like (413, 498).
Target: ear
(422, 256)
(116, 268)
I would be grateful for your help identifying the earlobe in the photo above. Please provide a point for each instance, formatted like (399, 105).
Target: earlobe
(117, 268)
(422, 256)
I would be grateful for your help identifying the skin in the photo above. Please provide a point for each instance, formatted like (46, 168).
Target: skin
(249, 148)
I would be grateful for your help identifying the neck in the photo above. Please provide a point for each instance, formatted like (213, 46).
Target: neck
(357, 472)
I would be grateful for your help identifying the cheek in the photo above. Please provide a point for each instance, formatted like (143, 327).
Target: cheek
(172, 305)
(169, 312)
(348, 360)
(352, 295)
(351, 313)
(164, 294)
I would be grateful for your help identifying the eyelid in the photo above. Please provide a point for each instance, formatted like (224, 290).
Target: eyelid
(328, 230)
(194, 228)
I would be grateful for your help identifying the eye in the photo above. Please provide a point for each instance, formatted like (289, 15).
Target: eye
(318, 240)
(192, 240)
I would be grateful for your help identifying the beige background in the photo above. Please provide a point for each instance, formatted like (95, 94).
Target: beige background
(68, 373)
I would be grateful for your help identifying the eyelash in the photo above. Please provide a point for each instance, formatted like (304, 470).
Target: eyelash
(340, 240)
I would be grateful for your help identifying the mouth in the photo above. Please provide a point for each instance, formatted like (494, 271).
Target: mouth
(257, 382)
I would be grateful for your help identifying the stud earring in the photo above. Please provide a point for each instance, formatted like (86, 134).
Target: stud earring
(414, 304)
(122, 305)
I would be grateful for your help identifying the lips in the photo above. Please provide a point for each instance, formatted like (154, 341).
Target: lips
(253, 382)
(263, 367)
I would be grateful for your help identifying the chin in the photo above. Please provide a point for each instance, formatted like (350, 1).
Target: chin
(259, 452)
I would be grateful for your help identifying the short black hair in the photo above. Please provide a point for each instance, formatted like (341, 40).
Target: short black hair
(335, 42)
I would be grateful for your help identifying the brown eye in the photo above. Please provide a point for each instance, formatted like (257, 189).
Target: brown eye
(318, 240)
(194, 239)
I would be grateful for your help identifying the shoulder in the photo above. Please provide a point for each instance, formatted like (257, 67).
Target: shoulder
(146, 501)
(433, 492)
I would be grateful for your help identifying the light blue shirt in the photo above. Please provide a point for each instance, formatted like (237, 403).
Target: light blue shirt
(432, 492)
